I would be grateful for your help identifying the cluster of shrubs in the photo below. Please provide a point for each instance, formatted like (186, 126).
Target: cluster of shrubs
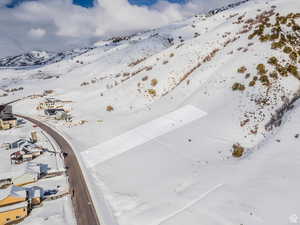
(80, 62)
(196, 34)
(85, 83)
(238, 87)
(283, 70)
(288, 42)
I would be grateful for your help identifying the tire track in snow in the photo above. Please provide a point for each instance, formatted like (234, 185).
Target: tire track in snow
(189, 205)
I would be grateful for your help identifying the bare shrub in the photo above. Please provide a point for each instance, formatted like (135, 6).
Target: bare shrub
(145, 78)
(109, 108)
(242, 69)
(152, 92)
(261, 69)
(238, 150)
(84, 84)
(154, 82)
(273, 60)
(148, 68)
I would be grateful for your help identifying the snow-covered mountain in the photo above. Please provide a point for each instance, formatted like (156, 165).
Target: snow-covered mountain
(39, 58)
(195, 122)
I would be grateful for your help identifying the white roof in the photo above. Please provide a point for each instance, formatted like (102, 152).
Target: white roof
(13, 191)
(14, 206)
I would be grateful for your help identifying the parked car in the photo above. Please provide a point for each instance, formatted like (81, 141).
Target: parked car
(50, 192)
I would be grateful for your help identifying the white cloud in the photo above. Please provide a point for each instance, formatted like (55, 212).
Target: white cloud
(37, 33)
(58, 24)
(4, 2)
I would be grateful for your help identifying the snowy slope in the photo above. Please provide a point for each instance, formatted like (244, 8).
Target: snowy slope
(161, 115)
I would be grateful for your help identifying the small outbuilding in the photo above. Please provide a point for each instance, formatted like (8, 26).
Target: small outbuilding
(35, 195)
(53, 112)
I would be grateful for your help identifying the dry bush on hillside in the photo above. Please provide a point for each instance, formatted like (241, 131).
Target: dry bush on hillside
(148, 68)
(109, 108)
(252, 83)
(273, 60)
(84, 84)
(261, 69)
(242, 69)
(238, 87)
(154, 82)
(145, 78)
(152, 92)
(238, 150)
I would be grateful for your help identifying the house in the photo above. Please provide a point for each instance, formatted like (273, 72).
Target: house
(7, 118)
(18, 143)
(5, 182)
(12, 195)
(13, 204)
(53, 112)
(13, 213)
(27, 153)
(63, 116)
(48, 104)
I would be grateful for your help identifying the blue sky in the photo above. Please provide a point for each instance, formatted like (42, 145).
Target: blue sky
(89, 3)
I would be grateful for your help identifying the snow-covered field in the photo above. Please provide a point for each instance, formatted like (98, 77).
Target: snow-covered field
(161, 116)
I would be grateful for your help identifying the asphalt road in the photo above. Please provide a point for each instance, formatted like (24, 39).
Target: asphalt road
(84, 209)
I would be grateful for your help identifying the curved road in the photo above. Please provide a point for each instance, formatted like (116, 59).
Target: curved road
(85, 212)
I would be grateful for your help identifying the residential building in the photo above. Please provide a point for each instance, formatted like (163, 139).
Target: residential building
(12, 195)
(7, 118)
(13, 213)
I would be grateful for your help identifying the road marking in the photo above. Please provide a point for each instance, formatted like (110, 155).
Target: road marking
(142, 134)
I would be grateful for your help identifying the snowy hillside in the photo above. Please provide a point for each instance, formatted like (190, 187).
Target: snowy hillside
(193, 123)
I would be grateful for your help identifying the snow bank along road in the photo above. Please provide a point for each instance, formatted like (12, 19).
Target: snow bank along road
(85, 212)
